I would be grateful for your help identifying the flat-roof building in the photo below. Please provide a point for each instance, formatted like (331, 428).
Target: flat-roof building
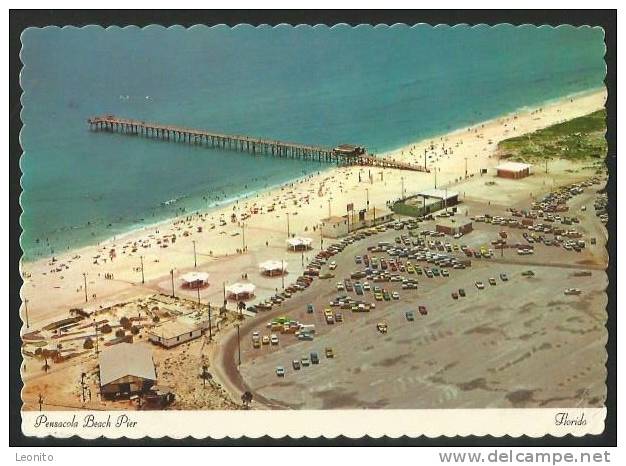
(173, 333)
(126, 369)
(513, 170)
(452, 226)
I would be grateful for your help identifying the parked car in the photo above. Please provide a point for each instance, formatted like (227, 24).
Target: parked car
(422, 310)
(310, 309)
(455, 295)
(315, 359)
(382, 327)
(329, 353)
(479, 285)
(492, 281)
(296, 364)
(461, 292)
(280, 371)
(410, 316)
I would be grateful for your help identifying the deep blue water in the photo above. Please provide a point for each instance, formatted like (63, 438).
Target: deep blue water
(379, 87)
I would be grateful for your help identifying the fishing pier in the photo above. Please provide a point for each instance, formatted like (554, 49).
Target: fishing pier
(342, 155)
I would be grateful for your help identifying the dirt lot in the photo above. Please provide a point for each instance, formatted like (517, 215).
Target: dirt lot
(520, 343)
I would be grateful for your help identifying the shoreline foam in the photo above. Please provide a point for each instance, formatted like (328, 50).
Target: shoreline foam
(132, 229)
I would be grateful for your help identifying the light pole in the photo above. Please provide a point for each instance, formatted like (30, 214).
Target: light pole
(195, 262)
(238, 346)
(172, 277)
(282, 273)
(465, 167)
(402, 189)
(210, 330)
(85, 283)
(435, 177)
(26, 312)
(142, 276)
(243, 235)
(288, 232)
(367, 198)
(329, 211)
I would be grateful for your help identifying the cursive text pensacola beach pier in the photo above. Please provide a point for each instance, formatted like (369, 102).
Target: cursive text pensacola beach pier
(86, 421)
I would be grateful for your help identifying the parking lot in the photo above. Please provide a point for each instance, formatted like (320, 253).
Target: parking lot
(515, 339)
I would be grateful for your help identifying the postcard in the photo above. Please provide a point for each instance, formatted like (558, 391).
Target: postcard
(313, 230)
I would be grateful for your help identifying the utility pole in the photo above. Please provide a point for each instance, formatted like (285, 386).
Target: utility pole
(367, 194)
(195, 262)
(435, 177)
(26, 312)
(142, 276)
(198, 290)
(302, 258)
(329, 212)
(465, 167)
(282, 272)
(546, 165)
(288, 232)
(243, 235)
(210, 330)
(224, 291)
(425, 159)
(238, 346)
(95, 323)
(40, 401)
(172, 277)
(402, 189)
(85, 283)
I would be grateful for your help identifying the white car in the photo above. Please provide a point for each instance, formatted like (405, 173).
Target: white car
(274, 339)
(366, 286)
(332, 265)
(395, 295)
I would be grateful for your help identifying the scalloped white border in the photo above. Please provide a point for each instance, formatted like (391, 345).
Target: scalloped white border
(391, 423)
(314, 424)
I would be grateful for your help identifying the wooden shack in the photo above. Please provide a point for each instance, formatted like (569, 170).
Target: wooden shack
(126, 370)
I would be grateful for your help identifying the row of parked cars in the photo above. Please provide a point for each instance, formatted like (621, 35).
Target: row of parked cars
(312, 358)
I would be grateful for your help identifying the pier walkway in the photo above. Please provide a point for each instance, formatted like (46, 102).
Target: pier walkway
(255, 146)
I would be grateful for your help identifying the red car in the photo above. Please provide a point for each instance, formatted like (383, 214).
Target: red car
(422, 310)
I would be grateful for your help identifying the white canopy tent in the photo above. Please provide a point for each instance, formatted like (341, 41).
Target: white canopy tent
(195, 279)
(299, 243)
(273, 267)
(239, 291)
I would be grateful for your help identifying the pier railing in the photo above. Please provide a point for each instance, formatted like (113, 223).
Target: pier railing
(242, 143)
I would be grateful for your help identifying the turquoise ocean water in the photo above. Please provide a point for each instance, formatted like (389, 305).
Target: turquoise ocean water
(380, 87)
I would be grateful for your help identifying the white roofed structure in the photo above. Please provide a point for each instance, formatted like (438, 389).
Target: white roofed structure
(273, 267)
(513, 170)
(299, 243)
(195, 279)
(239, 291)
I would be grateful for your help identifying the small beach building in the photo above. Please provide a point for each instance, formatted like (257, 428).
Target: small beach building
(374, 216)
(240, 291)
(299, 244)
(173, 333)
(126, 369)
(513, 170)
(452, 226)
(193, 280)
(273, 268)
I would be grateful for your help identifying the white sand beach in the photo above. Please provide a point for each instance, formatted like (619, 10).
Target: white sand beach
(230, 241)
